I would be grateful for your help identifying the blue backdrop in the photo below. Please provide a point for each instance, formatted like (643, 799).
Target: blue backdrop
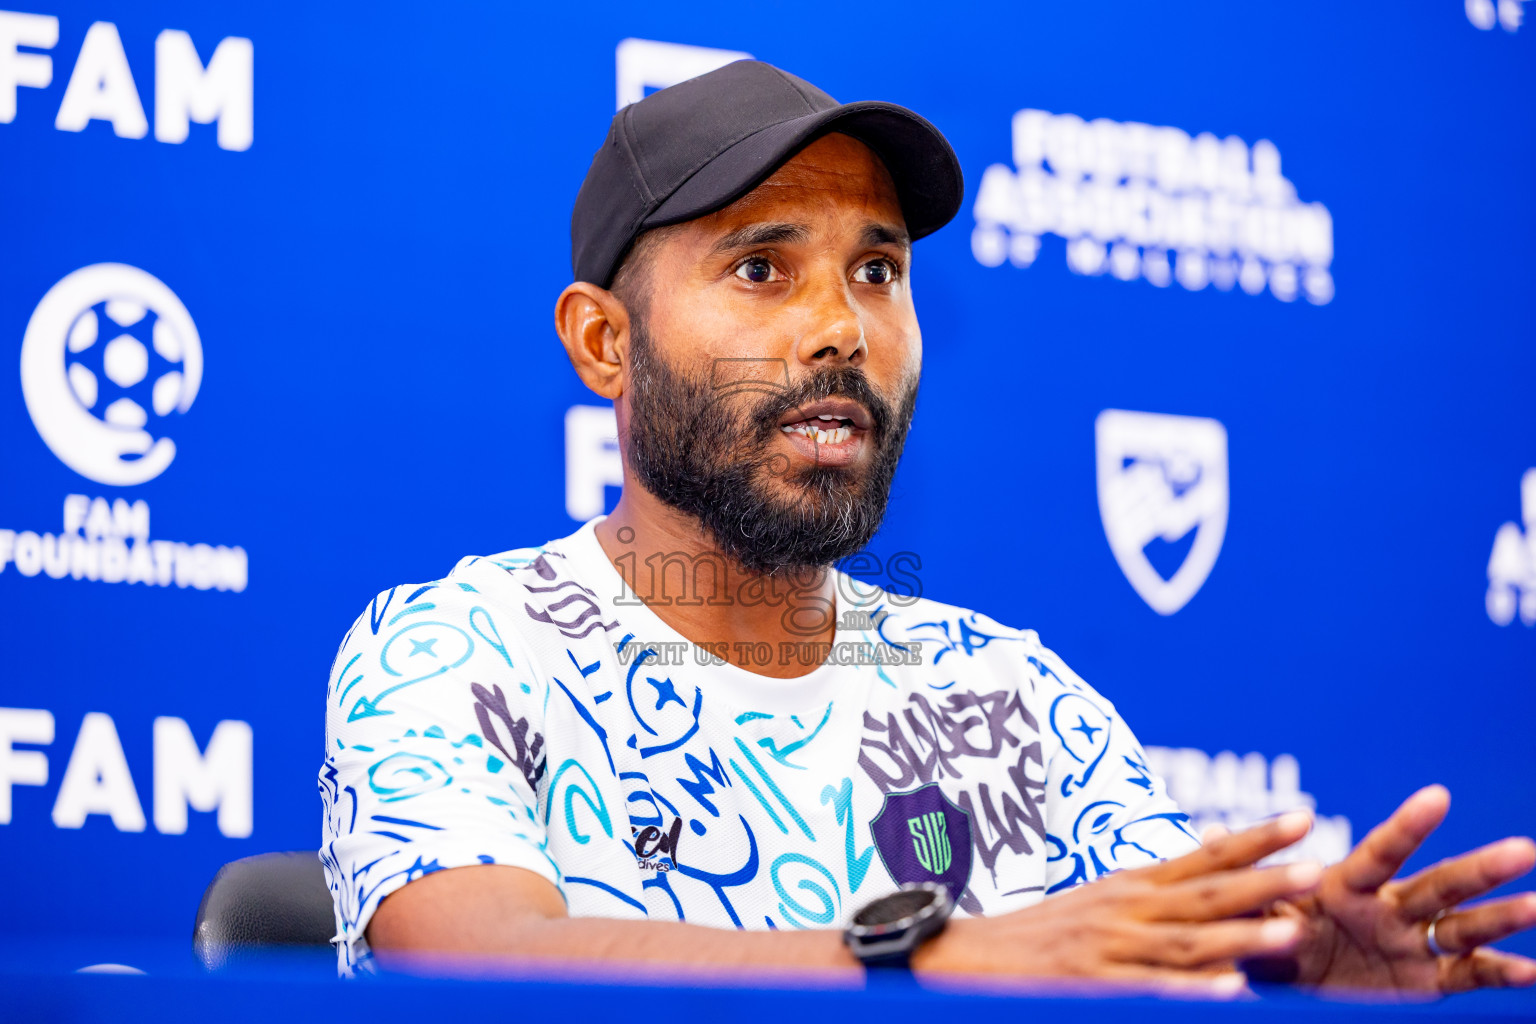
(1307, 222)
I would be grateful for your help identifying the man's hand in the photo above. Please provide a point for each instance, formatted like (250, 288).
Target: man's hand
(1362, 929)
(1176, 927)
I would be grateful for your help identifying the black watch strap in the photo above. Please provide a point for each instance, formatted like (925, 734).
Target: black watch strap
(888, 930)
(890, 961)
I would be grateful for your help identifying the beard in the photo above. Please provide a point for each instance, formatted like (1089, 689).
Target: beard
(704, 448)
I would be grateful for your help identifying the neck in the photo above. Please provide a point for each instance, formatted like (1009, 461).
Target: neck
(674, 567)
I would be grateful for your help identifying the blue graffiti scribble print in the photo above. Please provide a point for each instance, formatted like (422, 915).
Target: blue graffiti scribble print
(518, 713)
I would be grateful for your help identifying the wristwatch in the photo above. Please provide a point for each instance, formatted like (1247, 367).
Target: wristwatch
(887, 931)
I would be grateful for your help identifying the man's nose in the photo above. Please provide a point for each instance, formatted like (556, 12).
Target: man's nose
(836, 332)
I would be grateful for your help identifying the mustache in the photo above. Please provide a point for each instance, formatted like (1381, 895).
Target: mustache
(828, 382)
(704, 447)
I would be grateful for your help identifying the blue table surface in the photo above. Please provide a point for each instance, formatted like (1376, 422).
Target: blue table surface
(40, 981)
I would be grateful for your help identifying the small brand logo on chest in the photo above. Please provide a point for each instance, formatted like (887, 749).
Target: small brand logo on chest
(656, 850)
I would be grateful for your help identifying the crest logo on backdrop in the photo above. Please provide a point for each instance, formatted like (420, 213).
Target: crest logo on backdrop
(109, 357)
(1163, 497)
(109, 354)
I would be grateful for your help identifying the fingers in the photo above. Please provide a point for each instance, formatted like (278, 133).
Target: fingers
(1477, 926)
(1213, 832)
(1381, 854)
(1223, 984)
(1196, 945)
(1486, 968)
(1232, 893)
(1459, 879)
(1238, 850)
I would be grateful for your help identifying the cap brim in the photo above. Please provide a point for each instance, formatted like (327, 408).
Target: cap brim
(922, 165)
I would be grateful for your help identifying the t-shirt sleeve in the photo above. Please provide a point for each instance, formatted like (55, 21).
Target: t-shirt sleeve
(434, 747)
(1105, 809)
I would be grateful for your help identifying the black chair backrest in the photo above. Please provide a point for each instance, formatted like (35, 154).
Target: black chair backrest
(270, 900)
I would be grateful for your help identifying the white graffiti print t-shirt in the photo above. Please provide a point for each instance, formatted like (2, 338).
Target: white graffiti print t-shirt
(527, 710)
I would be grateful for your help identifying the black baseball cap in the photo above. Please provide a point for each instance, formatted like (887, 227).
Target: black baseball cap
(698, 146)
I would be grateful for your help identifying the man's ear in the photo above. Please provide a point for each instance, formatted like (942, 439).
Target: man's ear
(594, 328)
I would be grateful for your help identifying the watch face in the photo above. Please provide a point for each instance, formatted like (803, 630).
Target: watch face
(895, 907)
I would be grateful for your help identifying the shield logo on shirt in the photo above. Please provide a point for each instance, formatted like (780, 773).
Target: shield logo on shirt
(1163, 498)
(923, 837)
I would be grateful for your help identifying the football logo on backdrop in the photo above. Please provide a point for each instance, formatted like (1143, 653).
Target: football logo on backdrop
(1163, 498)
(109, 355)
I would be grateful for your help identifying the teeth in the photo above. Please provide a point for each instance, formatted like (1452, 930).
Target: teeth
(837, 435)
(830, 419)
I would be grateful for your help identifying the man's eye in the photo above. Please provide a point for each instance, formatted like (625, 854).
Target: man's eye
(757, 269)
(880, 271)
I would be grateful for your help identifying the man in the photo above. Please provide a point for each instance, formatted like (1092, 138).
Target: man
(679, 735)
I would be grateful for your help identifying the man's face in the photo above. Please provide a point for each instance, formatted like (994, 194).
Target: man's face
(774, 359)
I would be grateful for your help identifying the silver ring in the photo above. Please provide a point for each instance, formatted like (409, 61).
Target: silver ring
(1435, 949)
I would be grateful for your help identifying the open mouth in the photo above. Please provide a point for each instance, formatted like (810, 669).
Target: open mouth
(822, 429)
(830, 433)
(830, 421)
